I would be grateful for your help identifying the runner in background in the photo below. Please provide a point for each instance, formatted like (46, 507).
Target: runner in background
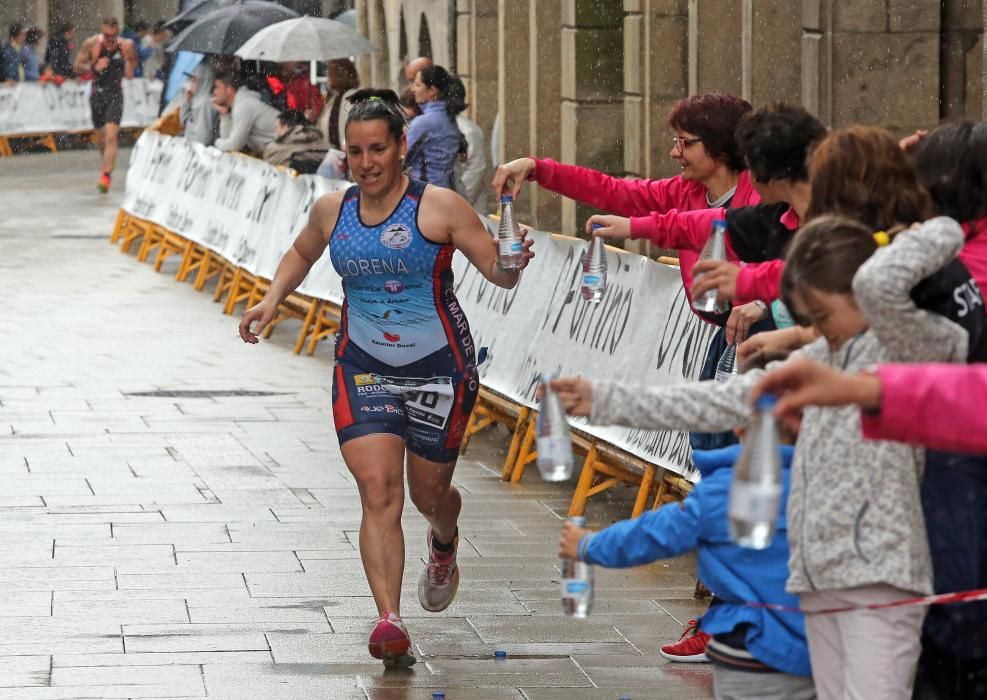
(405, 376)
(110, 59)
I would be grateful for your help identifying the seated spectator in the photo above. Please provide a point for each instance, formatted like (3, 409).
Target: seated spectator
(61, 50)
(32, 61)
(200, 120)
(298, 144)
(245, 122)
(11, 58)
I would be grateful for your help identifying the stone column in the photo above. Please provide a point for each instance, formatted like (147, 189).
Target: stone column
(655, 77)
(592, 130)
(544, 130)
(962, 53)
(872, 62)
(513, 100)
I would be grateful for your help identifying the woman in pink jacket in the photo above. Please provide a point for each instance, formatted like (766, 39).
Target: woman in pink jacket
(713, 174)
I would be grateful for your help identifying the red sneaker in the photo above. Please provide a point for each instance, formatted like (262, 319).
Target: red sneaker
(690, 649)
(104, 183)
(390, 642)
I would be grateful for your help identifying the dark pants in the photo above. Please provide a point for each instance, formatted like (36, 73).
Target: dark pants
(714, 441)
(954, 644)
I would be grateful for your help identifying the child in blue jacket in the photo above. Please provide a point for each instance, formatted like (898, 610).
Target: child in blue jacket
(756, 652)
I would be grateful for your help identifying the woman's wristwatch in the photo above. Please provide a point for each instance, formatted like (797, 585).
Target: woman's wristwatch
(763, 307)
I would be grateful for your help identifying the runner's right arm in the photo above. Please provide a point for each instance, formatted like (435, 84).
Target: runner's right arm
(84, 59)
(308, 247)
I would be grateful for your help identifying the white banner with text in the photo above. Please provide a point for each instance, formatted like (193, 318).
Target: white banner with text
(46, 108)
(642, 331)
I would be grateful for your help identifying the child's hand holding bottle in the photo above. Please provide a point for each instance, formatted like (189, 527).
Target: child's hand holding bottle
(576, 395)
(569, 541)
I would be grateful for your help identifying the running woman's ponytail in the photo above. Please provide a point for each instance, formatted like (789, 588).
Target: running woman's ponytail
(370, 104)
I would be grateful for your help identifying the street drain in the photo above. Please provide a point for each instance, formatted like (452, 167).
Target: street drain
(202, 393)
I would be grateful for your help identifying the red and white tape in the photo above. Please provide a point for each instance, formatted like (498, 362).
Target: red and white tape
(939, 599)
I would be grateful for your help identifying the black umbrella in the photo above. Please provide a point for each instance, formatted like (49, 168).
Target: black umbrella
(223, 31)
(183, 20)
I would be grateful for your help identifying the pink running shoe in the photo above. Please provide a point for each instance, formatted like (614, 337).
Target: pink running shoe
(390, 642)
(440, 580)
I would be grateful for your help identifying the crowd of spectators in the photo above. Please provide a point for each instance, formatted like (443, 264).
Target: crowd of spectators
(25, 58)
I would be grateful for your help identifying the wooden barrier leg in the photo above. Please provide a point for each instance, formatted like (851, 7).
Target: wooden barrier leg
(187, 254)
(644, 491)
(118, 227)
(524, 456)
(203, 275)
(471, 426)
(520, 428)
(660, 494)
(308, 325)
(586, 476)
(234, 292)
(225, 280)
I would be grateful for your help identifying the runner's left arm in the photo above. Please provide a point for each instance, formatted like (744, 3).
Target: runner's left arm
(468, 234)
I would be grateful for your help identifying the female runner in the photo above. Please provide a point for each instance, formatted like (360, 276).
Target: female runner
(405, 378)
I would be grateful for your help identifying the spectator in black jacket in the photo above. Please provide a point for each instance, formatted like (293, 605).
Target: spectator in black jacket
(61, 50)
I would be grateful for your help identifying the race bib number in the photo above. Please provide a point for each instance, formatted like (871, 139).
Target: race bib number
(426, 401)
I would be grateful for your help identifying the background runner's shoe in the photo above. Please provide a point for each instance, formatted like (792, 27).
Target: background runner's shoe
(104, 183)
(691, 648)
(440, 579)
(389, 641)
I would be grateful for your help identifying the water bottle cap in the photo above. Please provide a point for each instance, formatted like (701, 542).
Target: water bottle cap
(505, 198)
(577, 520)
(719, 224)
(438, 695)
(766, 402)
(595, 226)
(500, 654)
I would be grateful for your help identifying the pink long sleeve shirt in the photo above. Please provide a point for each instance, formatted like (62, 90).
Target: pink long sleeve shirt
(936, 405)
(639, 199)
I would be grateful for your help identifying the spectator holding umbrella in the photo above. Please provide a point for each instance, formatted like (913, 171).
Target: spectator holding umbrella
(60, 49)
(298, 144)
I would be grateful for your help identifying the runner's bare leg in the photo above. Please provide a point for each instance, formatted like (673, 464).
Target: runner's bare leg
(431, 490)
(109, 150)
(377, 464)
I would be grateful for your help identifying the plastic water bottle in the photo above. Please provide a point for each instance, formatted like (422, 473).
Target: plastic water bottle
(554, 442)
(755, 492)
(594, 269)
(509, 241)
(727, 366)
(577, 582)
(715, 249)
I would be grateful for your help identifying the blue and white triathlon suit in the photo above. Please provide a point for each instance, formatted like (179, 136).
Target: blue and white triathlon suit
(405, 360)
